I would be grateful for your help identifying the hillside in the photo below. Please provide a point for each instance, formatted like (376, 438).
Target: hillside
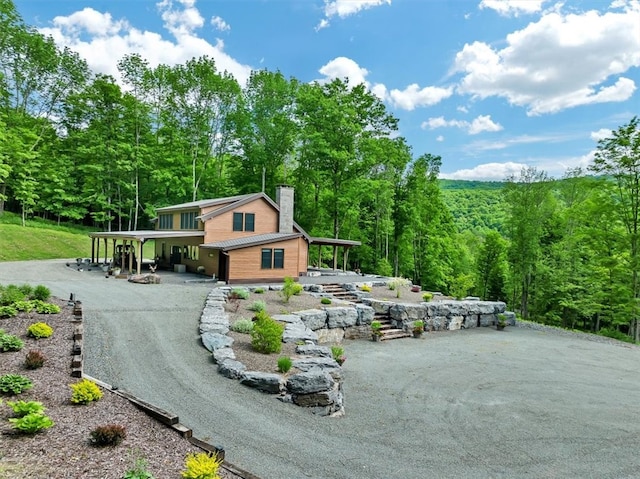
(475, 205)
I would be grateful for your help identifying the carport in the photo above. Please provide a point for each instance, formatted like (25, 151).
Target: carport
(335, 243)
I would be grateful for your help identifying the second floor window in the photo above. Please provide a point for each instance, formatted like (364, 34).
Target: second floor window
(165, 222)
(244, 221)
(188, 221)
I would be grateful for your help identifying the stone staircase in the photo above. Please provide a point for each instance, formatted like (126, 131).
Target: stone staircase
(387, 329)
(335, 290)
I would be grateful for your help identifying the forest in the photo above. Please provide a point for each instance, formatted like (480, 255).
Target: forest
(85, 148)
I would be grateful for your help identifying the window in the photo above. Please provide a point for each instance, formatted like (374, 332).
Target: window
(272, 258)
(266, 258)
(188, 221)
(244, 221)
(165, 222)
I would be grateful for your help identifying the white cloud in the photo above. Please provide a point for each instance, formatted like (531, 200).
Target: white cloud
(345, 8)
(486, 172)
(440, 138)
(343, 67)
(462, 109)
(478, 125)
(413, 96)
(601, 134)
(103, 41)
(513, 7)
(559, 62)
(220, 24)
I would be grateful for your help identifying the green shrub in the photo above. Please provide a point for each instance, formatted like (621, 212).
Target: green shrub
(41, 293)
(366, 288)
(325, 300)
(426, 297)
(257, 306)
(138, 471)
(31, 423)
(11, 294)
(8, 311)
(85, 391)
(9, 342)
(39, 330)
(284, 364)
(242, 326)
(240, 293)
(14, 384)
(24, 306)
(34, 359)
(259, 290)
(22, 408)
(615, 334)
(290, 288)
(46, 308)
(201, 465)
(26, 290)
(108, 435)
(337, 353)
(266, 336)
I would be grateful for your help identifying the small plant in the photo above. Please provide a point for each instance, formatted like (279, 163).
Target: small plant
(426, 297)
(376, 329)
(266, 336)
(39, 330)
(257, 306)
(24, 306)
(337, 352)
(325, 300)
(259, 290)
(26, 289)
(241, 293)
(22, 408)
(139, 470)
(14, 384)
(11, 294)
(108, 435)
(366, 288)
(290, 288)
(8, 311)
(31, 423)
(9, 342)
(34, 359)
(84, 392)
(41, 292)
(201, 466)
(418, 327)
(242, 326)
(502, 321)
(284, 364)
(46, 308)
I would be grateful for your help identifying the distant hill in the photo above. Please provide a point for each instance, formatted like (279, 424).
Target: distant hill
(475, 205)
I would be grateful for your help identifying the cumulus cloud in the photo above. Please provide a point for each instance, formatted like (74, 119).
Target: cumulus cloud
(413, 96)
(513, 7)
(346, 68)
(559, 62)
(220, 24)
(487, 172)
(601, 134)
(440, 138)
(478, 125)
(102, 41)
(345, 8)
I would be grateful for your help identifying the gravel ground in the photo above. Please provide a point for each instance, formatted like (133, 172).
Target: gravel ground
(465, 404)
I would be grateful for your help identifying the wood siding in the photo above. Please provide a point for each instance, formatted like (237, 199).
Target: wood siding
(245, 264)
(220, 228)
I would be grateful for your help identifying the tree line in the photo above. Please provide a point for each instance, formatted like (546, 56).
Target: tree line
(81, 147)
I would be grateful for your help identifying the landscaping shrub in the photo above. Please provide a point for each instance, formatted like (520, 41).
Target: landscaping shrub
(138, 471)
(366, 288)
(84, 392)
(22, 408)
(108, 435)
(259, 290)
(337, 352)
(46, 308)
(266, 336)
(9, 342)
(201, 466)
(8, 311)
(426, 297)
(240, 293)
(284, 364)
(14, 384)
(242, 326)
(39, 330)
(257, 306)
(34, 359)
(325, 300)
(10, 295)
(26, 290)
(290, 288)
(41, 293)
(31, 423)
(24, 306)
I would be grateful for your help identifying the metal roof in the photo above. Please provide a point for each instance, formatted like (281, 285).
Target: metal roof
(203, 203)
(143, 235)
(334, 241)
(247, 241)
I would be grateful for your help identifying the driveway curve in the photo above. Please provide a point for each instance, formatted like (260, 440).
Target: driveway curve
(465, 404)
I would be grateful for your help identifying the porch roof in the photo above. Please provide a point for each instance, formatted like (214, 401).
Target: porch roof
(248, 241)
(334, 242)
(143, 235)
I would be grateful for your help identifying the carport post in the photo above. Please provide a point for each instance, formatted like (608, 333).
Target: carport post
(97, 252)
(93, 248)
(139, 256)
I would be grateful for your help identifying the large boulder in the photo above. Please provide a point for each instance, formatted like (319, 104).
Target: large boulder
(295, 332)
(313, 318)
(231, 369)
(379, 307)
(365, 314)
(267, 382)
(407, 312)
(308, 382)
(330, 336)
(213, 341)
(222, 354)
(311, 349)
(341, 317)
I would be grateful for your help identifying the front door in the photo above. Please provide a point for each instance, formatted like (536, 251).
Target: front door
(176, 255)
(222, 266)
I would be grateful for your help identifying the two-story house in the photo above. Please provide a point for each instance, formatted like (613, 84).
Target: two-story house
(238, 239)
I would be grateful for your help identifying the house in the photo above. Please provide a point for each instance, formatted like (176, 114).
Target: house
(238, 239)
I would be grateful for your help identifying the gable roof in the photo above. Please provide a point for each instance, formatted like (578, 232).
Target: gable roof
(203, 203)
(247, 241)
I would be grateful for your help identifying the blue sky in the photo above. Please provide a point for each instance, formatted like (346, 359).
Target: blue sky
(489, 85)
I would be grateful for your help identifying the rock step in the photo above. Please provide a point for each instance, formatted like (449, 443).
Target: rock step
(338, 292)
(394, 334)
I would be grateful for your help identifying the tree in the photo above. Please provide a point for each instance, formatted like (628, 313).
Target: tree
(618, 157)
(491, 267)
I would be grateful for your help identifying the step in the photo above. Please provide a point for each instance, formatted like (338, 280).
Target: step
(396, 335)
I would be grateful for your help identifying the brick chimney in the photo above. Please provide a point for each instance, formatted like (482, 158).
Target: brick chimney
(284, 198)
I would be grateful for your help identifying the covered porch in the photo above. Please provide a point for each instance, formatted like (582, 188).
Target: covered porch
(336, 245)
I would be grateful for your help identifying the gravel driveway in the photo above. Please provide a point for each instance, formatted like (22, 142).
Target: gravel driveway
(465, 404)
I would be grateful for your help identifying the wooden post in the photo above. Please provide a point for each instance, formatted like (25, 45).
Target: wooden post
(97, 252)
(131, 250)
(139, 256)
(335, 257)
(93, 246)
